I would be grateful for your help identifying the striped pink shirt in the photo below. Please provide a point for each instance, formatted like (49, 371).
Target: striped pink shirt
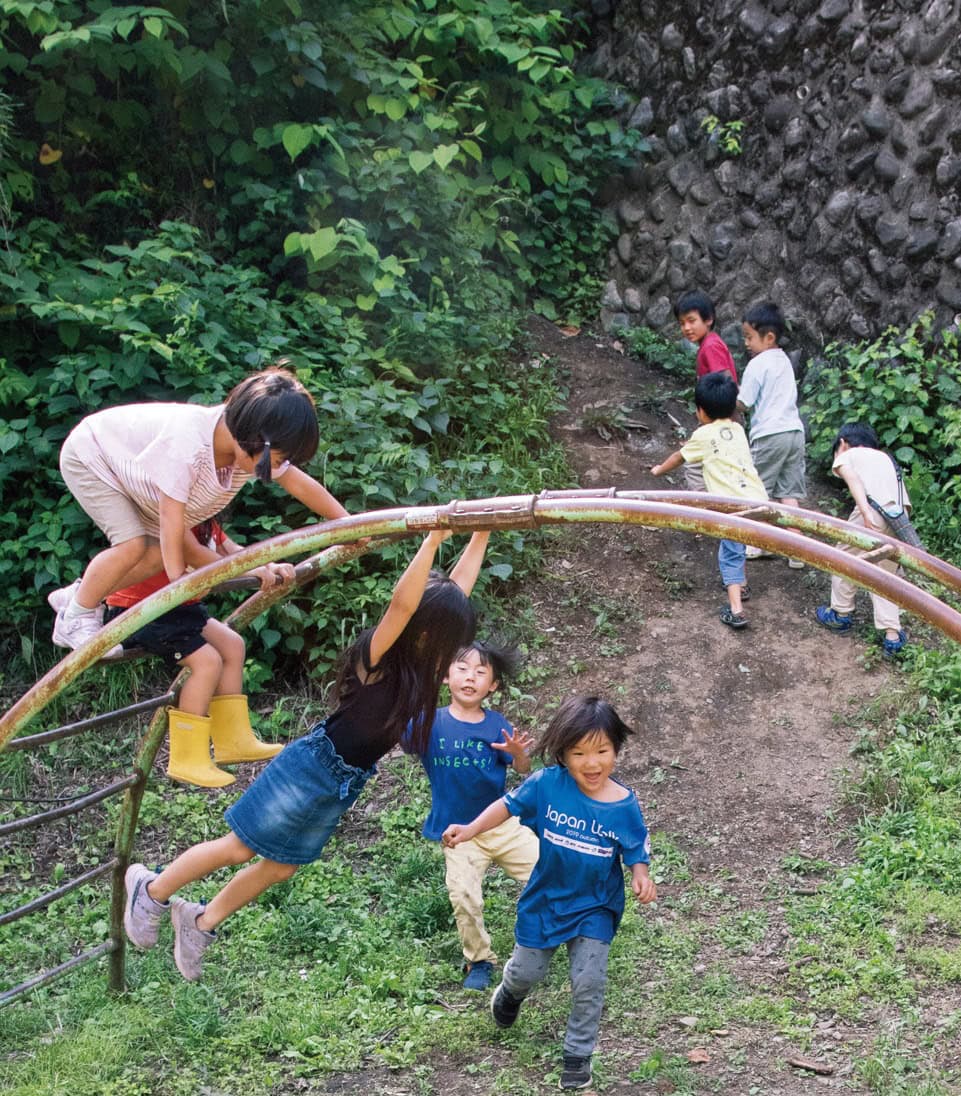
(143, 449)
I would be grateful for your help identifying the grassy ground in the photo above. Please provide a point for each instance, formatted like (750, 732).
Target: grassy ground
(353, 965)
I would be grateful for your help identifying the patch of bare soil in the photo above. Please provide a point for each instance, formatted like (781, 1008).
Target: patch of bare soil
(741, 736)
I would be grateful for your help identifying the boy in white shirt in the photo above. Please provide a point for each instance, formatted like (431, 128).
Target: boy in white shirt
(769, 392)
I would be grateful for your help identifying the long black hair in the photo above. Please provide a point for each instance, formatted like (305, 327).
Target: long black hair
(269, 410)
(417, 661)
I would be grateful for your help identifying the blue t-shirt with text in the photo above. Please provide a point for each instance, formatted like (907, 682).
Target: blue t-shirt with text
(577, 887)
(466, 773)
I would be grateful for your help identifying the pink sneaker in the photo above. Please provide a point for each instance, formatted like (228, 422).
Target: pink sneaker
(190, 943)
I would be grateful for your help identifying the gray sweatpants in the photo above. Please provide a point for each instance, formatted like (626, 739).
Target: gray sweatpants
(588, 959)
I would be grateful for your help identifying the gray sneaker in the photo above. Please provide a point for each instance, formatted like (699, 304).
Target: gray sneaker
(78, 630)
(190, 943)
(141, 913)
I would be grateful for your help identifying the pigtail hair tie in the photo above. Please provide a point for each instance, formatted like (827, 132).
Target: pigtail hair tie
(262, 470)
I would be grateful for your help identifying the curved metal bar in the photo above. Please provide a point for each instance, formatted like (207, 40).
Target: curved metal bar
(194, 585)
(68, 730)
(688, 512)
(14, 992)
(75, 805)
(811, 522)
(783, 541)
(520, 512)
(51, 896)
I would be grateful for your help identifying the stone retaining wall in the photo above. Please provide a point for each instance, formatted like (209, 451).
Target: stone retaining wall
(844, 203)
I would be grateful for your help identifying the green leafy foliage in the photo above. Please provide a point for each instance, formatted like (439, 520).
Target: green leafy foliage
(907, 385)
(674, 357)
(727, 135)
(191, 191)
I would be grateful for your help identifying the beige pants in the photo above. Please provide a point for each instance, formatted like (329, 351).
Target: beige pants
(886, 613)
(512, 847)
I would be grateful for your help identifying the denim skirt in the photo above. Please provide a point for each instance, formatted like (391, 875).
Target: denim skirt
(292, 808)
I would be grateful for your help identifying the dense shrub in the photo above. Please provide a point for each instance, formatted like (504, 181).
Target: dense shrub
(188, 192)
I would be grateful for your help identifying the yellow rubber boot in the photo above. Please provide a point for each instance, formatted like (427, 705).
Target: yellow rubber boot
(190, 751)
(234, 738)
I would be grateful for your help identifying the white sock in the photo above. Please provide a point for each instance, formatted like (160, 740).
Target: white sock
(74, 609)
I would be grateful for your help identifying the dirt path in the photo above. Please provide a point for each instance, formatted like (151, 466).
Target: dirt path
(741, 726)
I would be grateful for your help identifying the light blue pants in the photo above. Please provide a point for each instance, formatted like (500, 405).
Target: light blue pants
(588, 959)
(730, 560)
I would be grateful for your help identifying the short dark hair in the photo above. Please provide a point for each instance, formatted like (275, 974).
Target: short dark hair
(716, 394)
(856, 434)
(269, 410)
(695, 301)
(580, 717)
(504, 661)
(766, 319)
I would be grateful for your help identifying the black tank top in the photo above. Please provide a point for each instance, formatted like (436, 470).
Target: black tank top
(358, 728)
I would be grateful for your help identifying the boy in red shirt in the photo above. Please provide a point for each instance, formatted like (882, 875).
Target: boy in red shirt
(695, 315)
(694, 312)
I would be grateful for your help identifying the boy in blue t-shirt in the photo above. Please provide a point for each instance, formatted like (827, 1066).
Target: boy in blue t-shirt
(466, 763)
(589, 825)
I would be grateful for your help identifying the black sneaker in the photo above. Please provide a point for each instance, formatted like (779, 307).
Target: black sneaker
(504, 1007)
(577, 1072)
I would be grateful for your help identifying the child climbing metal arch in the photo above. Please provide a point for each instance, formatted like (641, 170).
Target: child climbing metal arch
(788, 531)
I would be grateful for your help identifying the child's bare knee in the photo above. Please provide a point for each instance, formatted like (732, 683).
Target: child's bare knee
(235, 850)
(235, 649)
(205, 661)
(135, 548)
(279, 873)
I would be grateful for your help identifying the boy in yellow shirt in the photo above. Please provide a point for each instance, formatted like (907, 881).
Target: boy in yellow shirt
(720, 446)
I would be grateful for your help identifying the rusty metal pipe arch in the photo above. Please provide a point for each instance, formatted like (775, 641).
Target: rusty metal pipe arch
(682, 512)
(766, 526)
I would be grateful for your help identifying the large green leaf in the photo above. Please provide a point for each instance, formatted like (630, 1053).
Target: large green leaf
(296, 138)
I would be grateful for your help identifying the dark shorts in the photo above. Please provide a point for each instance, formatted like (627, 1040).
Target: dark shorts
(173, 636)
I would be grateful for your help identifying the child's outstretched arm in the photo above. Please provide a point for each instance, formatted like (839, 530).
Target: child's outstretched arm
(492, 816)
(675, 460)
(406, 597)
(312, 494)
(642, 884)
(198, 555)
(467, 568)
(172, 532)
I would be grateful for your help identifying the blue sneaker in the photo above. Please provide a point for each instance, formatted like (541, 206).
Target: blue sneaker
(831, 619)
(479, 975)
(892, 647)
